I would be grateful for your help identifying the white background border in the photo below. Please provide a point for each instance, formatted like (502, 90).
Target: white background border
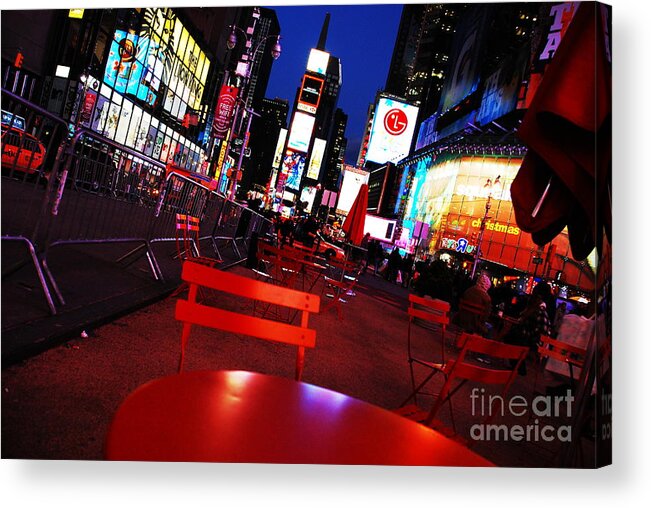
(102, 484)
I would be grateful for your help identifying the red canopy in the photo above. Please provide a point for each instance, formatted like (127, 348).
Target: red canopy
(354, 223)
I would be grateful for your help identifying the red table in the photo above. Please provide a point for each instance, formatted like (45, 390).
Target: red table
(238, 416)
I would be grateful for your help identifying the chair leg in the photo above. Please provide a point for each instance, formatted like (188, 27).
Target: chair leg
(417, 390)
(179, 290)
(413, 381)
(181, 357)
(185, 336)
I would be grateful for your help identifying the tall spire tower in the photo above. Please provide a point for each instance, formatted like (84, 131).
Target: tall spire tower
(324, 33)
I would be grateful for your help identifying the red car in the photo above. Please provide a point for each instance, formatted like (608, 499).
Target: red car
(21, 151)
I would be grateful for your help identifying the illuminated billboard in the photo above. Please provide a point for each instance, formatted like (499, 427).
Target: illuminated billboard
(162, 53)
(352, 181)
(318, 61)
(316, 159)
(293, 166)
(301, 132)
(122, 65)
(393, 127)
(380, 228)
(502, 88)
(307, 196)
(426, 132)
(278, 154)
(466, 62)
(310, 95)
(450, 193)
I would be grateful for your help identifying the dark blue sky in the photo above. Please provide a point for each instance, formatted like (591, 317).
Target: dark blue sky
(362, 36)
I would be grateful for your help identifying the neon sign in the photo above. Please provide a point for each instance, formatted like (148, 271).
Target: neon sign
(497, 227)
(461, 245)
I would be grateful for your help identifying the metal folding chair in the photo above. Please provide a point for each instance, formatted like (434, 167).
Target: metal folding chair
(190, 312)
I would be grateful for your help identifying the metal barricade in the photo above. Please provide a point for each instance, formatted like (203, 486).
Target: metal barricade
(210, 221)
(226, 230)
(32, 140)
(88, 189)
(184, 195)
(105, 193)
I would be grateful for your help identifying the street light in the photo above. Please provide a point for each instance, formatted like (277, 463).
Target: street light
(231, 42)
(489, 185)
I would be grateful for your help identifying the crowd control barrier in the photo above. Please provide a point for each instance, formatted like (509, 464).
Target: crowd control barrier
(87, 189)
(32, 141)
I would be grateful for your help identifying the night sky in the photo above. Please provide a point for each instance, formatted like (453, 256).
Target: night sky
(362, 36)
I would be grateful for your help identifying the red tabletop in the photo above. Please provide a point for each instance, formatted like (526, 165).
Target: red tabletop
(238, 416)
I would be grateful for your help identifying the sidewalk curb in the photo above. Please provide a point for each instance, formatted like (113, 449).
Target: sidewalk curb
(22, 342)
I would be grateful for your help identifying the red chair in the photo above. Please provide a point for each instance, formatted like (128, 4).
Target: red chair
(471, 316)
(190, 312)
(430, 311)
(277, 266)
(339, 290)
(463, 369)
(187, 240)
(552, 349)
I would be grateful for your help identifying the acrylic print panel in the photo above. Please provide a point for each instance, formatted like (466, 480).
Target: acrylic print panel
(509, 177)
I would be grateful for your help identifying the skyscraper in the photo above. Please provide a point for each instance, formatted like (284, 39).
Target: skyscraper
(314, 125)
(248, 66)
(337, 143)
(264, 135)
(421, 54)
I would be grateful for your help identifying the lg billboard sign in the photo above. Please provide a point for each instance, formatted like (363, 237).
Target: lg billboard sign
(392, 130)
(395, 122)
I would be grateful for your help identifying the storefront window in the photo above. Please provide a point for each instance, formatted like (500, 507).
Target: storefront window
(151, 63)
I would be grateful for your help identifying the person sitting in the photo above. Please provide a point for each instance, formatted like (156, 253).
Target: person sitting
(476, 321)
(533, 322)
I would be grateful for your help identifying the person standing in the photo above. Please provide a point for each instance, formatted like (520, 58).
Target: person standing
(407, 269)
(378, 256)
(394, 264)
(370, 254)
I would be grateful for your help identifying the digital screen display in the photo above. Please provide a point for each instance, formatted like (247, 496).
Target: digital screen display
(293, 166)
(392, 130)
(380, 228)
(352, 181)
(307, 196)
(122, 64)
(316, 159)
(301, 132)
(310, 95)
(318, 61)
(278, 154)
(426, 132)
(162, 52)
(18, 122)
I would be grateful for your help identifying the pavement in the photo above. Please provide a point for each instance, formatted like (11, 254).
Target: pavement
(64, 376)
(95, 286)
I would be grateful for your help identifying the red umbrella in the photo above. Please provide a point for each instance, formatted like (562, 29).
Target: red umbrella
(354, 223)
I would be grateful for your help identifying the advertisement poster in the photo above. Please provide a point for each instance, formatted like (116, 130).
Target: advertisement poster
(341, 293)
(224, 111)
(293, 166)
(392, 131)
(301, 132)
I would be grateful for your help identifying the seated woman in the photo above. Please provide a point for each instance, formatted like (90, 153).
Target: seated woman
(475, 308)
(533, 322)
